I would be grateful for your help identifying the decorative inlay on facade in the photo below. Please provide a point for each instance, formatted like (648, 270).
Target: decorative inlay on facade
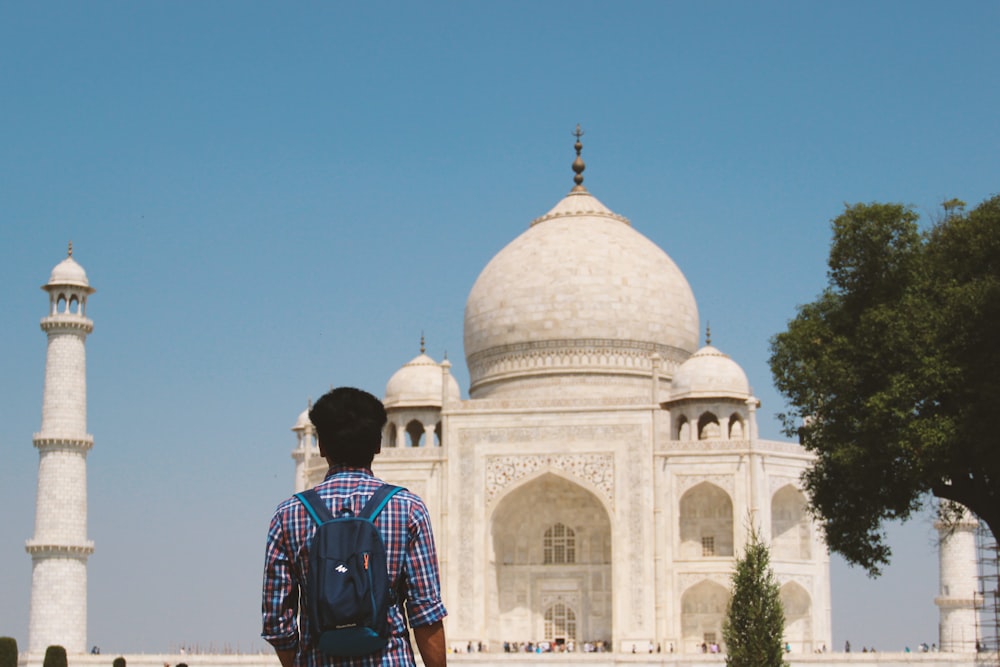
(740, 446)
(776, 482)
(704, 446)
(595, 469)
(805, 581)
(468, 537)
(638, 535)
(421, 454)
(570, 599)
(685, 482)
(572, 432)
(488, 404)
(585, 354)
(689, 579)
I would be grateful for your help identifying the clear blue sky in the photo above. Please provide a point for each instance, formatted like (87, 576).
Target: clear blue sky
(271, 199)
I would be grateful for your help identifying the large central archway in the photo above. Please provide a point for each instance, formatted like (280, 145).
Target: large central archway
(551, 565)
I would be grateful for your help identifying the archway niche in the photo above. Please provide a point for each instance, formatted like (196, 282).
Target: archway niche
(798, 617)
(708, 427)
(683, 428)
(791, 537)
(415, 434)
(706, 523)
(736, 428)
(551, 545)
(703, 610)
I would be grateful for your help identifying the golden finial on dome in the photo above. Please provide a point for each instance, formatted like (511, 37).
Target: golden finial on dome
(708, 333)
(578, 165)
(69, 253)
(422, 348)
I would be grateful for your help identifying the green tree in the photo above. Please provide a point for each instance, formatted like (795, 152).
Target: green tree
(755, 621)
(893, 372)
(118, 662)
(8, 652)
(55, 656)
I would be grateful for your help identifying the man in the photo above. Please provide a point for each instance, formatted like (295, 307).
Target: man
(349, 426)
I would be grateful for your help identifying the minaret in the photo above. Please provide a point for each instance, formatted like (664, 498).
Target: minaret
(957, 603)
(305, 450)
(60, 548)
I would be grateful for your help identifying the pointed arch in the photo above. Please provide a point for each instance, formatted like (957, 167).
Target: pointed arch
(791, 527)
(560, 623)
(683, 428)
(703, 611)
(706, 523)
(549, 542)
(415, 434)
(708, 427)
(736, 427)
(797, 603)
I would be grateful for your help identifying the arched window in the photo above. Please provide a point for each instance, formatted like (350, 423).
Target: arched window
(791, 534)
(683, 429)
(708, 427)
(415, 434)
(703, 612)
(560, 623)
(390, 435)
(706, 523)
(559, 545)
(437, 435)
(736, 429)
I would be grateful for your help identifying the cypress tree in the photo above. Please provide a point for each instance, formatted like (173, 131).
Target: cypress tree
(55, 656)
(8, 652)
(755, 621)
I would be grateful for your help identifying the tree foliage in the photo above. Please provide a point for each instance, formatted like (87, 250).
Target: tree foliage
(8, 652)
(893, 372)
(55, 656)
(755, 621)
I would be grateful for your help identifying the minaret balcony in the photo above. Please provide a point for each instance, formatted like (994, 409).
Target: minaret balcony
(67, 322)
(39, 549)
(48, 442)
(959, 602)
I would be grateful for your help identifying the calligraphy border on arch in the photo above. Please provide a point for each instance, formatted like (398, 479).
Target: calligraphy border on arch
(596, 469)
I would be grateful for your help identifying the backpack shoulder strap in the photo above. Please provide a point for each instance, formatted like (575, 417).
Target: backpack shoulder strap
(315, 506)
(378, 501)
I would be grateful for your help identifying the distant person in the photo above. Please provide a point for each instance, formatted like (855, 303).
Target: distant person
(349, 426)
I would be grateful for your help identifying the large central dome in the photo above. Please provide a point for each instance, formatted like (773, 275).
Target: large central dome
(579, 301)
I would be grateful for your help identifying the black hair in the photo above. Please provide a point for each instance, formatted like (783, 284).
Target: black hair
(349, 425)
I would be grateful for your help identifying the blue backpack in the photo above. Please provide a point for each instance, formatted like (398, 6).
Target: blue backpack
(348, 593)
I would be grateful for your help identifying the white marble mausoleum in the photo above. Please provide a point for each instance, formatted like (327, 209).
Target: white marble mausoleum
(599, 481)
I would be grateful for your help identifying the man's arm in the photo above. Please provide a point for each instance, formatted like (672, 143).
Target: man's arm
(430, 643)
(287, 656)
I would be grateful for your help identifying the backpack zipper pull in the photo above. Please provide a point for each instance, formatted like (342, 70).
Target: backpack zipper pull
(366, 560)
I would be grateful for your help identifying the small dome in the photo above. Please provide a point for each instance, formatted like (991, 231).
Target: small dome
(709, 374)
(68, 272)
(303, 421)
(418, 384)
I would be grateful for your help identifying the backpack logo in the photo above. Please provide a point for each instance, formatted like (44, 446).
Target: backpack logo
(347, 591)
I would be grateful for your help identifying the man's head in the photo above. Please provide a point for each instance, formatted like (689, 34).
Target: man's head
(348, 425)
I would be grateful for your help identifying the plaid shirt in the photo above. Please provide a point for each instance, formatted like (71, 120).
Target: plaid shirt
(406, 530)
